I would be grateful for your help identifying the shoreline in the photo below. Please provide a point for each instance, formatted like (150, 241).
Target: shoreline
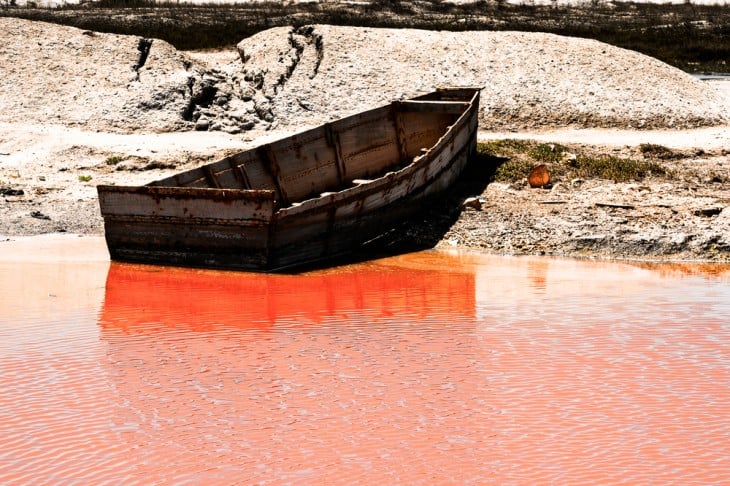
(655, 220)
(49, 171)
(91, 249)
(684, 219)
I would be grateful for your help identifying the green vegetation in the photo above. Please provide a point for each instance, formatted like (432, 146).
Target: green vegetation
(509, 158)
(84, 178)
(515, 159)
(547, 153)
(659, 151)
(692, 37)
(617, 169)
(514, 170)
(506, 146)
(113, 159)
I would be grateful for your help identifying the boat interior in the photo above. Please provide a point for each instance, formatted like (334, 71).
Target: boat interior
(335, 156)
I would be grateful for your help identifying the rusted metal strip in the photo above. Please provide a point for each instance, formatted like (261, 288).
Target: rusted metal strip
(333, 140)
(400, 134)
(188, 192)
(239, 223)
(269, 161)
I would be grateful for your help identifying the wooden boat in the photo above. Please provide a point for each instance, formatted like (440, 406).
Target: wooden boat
(305, 199)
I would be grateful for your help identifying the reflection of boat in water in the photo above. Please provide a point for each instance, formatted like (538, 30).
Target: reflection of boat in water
(219, 376)
(141, 297)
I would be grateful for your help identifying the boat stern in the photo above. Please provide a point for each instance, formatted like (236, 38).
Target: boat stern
(198, 227)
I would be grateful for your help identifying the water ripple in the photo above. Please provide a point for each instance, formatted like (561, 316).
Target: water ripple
(396, 371)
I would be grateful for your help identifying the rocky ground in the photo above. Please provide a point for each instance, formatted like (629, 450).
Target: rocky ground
(683, 214)
(79, 108)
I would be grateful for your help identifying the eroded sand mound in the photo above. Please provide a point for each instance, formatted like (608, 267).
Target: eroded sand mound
(57, 74)
(290, 78)
(529, 79)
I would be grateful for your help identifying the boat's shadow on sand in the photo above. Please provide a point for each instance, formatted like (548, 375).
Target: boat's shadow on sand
(427, 228)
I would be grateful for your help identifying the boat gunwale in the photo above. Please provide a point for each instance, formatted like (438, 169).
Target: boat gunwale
(182, 192)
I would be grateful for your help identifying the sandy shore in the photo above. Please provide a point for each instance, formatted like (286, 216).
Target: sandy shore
(684, 219)
(50, 165)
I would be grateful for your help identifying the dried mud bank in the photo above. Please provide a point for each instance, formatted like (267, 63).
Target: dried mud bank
(681, 215)
(80, 108)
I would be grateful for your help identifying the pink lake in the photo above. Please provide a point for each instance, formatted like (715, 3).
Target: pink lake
(426, 368)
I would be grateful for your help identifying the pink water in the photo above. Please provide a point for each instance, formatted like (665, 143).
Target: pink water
(429, 368)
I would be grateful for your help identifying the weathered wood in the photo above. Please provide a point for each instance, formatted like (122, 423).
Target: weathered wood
(333, 140)
(270, 165)
(305, 164)
(211, 177)
(257, 175)
(320, 194)
(423, 130)
(368, 143)
(400, 132)
(425, 106)
(186, 203)
(239, 174)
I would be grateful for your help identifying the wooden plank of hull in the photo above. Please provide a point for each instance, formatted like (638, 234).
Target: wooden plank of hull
(187, 226)
(299, 228)
(304, 162)
(191, 244)
(368, 142)
(244, 170)
(396, 185)
(424, 130)
(254, 171)
(186, 203)
(381, 191)
(349, 234)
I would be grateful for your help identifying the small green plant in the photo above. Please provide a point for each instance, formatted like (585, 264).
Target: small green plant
(113, 159)
(514, 160)
(616, 168)
(547, 153)
(506, 147)
(658, 151)
(513, 170)
(84, 178)
(507, 158)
